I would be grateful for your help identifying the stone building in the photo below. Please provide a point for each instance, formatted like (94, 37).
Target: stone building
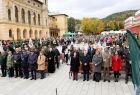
(24, 19)
(58, 24)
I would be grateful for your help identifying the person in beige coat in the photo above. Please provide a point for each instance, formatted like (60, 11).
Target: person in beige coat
(41, 64)
(106, 64)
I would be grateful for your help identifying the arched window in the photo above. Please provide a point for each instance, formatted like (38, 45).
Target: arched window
(25, 34)
(36, 34)
(18, 34)
(9, 14)
(23, 15)
(40, 34)
(38, 19)
(29, 17)
(34, 18)
(30, 34)
(10, 33)
(16, 14)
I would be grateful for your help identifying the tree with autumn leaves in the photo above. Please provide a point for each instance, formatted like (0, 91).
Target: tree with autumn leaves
(92, 25)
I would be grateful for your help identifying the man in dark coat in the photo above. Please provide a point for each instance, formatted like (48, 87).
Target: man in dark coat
(17, 63)
(51, 64)
(32, 60)
(56, 56)
(85, 62)
(91, 52)
(25, 64)
(3, 59)
(127, 59)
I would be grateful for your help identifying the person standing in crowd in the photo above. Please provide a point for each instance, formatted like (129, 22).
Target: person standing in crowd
(63, 53)
(10, 64)
(106, 64)
(56, 56)
(97, 61)
(74, 64)
(85, 65)
(91, 52)
(32, 60)
(41, 64)
(113, 49)
(25, 64)
(3, 58)
(66, 55)
(17, 63)
(128, 70)
(119, 50)
(51, 64)
(116, 65)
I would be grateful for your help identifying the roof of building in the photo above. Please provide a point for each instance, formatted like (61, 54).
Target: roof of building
(130, 18)
(137, 13)
(51, 16)
(57, 14)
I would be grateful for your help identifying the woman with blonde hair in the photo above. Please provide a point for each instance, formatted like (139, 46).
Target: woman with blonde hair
(97, 61)
(41, 64)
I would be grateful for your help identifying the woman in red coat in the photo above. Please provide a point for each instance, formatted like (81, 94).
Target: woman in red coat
(116, 65)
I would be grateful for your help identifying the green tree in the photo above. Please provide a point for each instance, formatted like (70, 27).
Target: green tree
(92, 25)
(121, 25)
(71, 24)
(111, 25)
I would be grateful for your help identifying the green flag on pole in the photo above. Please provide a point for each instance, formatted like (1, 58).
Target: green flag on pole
(135, 57)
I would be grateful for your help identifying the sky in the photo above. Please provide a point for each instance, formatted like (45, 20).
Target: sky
(91, 8)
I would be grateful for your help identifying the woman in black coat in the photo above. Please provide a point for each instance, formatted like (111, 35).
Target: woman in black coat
(75, 63)
(51, 64)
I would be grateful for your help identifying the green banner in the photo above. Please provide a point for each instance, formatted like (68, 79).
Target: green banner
(135, 57)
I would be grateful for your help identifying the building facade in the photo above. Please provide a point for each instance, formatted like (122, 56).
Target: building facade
(24, 19)
(133, 23)
(58, 24)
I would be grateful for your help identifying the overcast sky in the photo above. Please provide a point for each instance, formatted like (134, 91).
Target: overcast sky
(92, 8)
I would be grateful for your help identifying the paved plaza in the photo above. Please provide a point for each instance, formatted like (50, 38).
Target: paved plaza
(64, 85)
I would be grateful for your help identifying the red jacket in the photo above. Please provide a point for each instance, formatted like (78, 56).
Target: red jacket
(116, 63)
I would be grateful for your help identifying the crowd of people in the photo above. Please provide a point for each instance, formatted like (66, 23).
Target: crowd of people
(102, 55)
(25, 61)
(111, 54)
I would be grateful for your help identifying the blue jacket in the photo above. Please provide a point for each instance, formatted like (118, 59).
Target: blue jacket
(24, 59)
(32, 59)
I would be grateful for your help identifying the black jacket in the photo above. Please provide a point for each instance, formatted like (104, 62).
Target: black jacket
(75, 62)
(85, 62)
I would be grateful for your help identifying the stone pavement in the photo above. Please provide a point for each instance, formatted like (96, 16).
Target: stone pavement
(64, 85)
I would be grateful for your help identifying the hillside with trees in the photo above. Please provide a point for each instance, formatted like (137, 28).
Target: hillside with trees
(94, 25)
(116, 21)
(120, 16)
